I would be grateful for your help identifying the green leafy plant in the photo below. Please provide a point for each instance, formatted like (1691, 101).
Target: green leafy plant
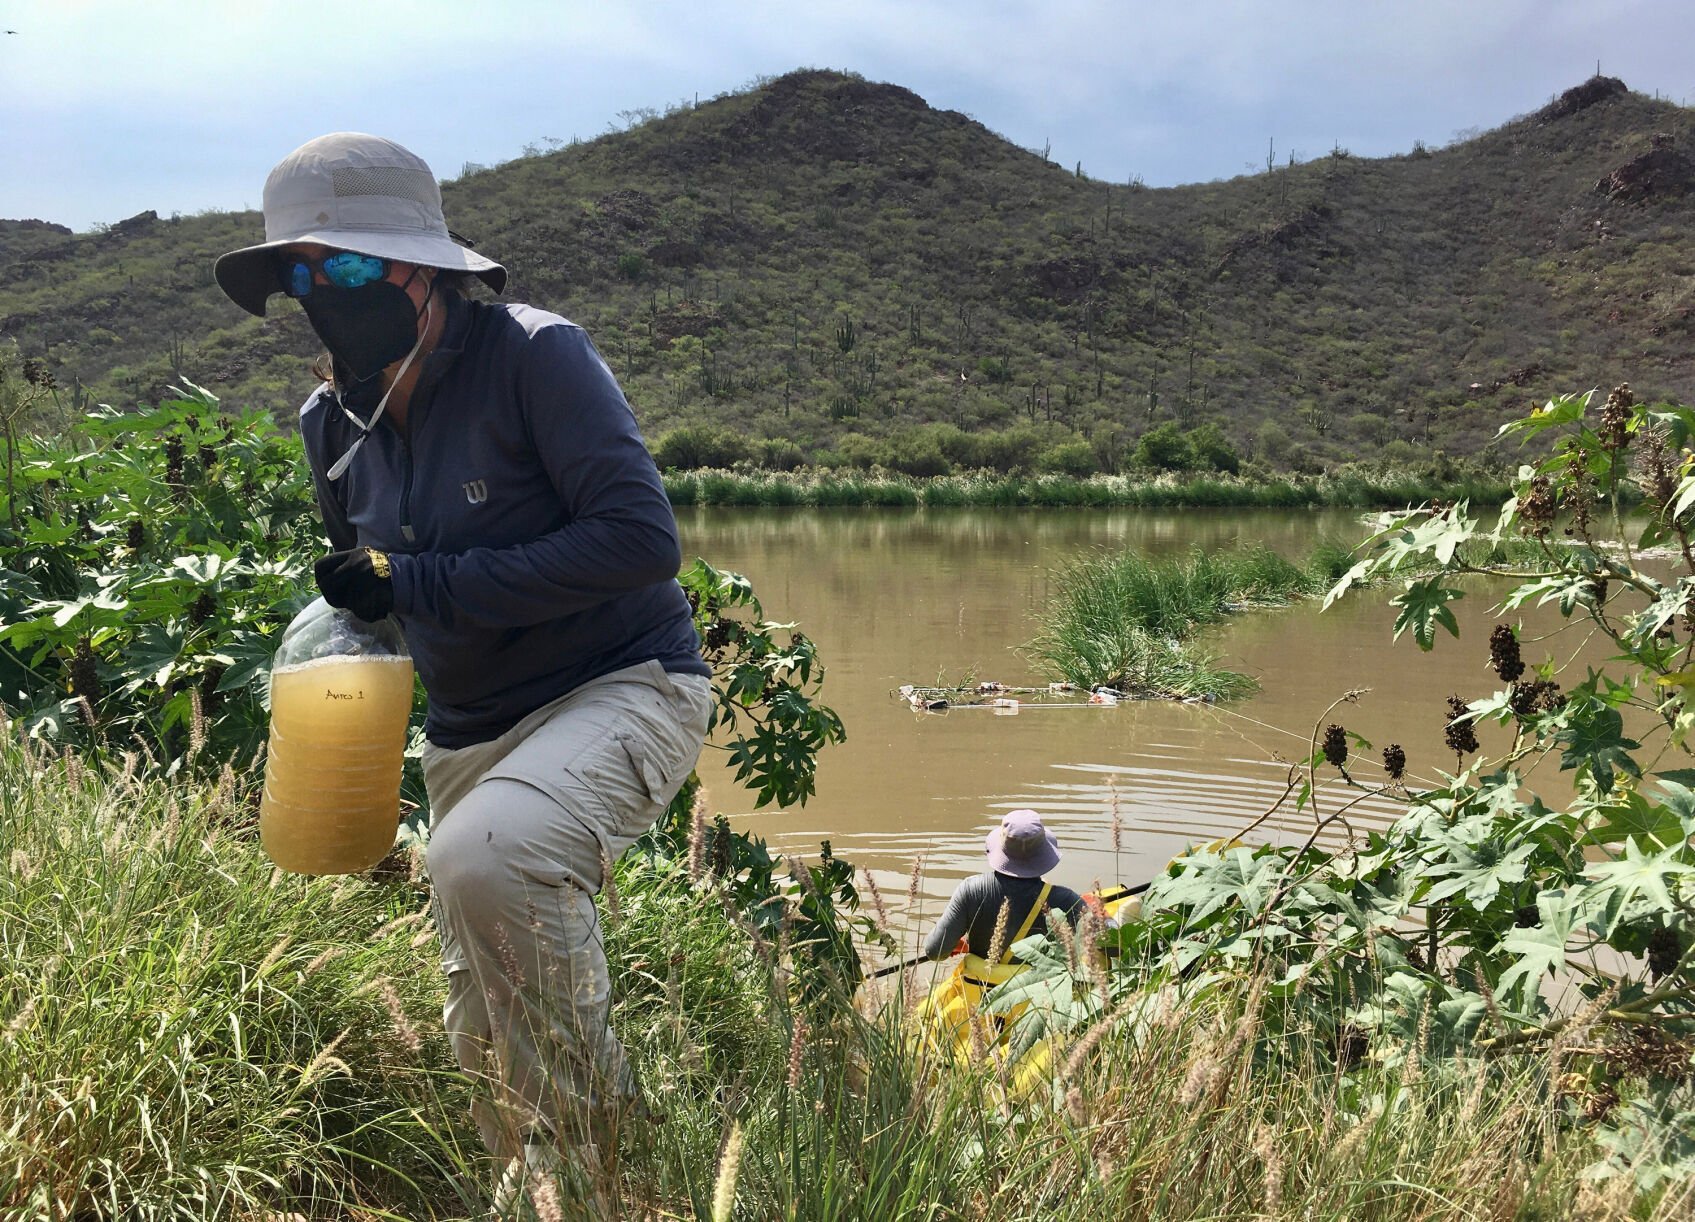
(157, 556)
(1487, 923)
(765, 676)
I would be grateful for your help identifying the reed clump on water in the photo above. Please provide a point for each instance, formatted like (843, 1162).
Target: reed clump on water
(1127, 621)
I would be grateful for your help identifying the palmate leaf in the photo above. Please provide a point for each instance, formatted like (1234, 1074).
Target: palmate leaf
(1651, 1138)
(1594, 743)
(1478, 871)
(1207, 882)
(1630, 813)
(1357, 573)
(1438, 534)
(1638, 884)
(1413, 1007)
(1408, 537)
(1056, 1004)
(152, 656)
(1541, 949)
(1663, 610)
(1677, 790)
(1561, 410)
(1566, 588)
(1424, 606)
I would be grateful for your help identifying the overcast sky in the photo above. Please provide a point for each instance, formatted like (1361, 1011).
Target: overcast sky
(109, 108)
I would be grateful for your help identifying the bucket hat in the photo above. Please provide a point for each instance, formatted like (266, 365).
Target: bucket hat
(353, 192)
(1021, 846)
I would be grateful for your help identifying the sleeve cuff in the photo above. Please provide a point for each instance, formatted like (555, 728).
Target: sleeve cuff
(403, 576)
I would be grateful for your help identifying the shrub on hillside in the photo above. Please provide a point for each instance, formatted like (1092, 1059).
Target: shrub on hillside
(918, 452)
(862, 452)
(1165, 448)
(1075, 458)
(693, 446)
(1211, 450)
(1272, 443)
(1009, 451)
(778, 454)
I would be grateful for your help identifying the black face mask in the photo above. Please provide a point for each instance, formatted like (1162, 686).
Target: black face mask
(366, 329)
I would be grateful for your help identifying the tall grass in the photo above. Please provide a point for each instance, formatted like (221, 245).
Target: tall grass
(1125, 621)
(188, 1034)
(191, 1033)
(986, 490)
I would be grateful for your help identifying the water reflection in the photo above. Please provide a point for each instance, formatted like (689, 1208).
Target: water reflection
(905, 596)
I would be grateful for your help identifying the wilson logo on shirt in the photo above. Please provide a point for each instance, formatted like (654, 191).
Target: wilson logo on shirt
(476, 491)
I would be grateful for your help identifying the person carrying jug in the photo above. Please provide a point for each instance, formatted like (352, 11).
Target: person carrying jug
(481, 478)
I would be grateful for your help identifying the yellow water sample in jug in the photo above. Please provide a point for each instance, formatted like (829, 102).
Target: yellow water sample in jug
(332, 772)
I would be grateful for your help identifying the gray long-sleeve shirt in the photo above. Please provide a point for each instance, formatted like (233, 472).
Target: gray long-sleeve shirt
(972, 911)
(532, 545)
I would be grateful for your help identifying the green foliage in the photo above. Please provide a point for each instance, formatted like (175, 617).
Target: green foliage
(765, 675)
(1211, 450)
(698, 445)
(160, 553)
(190, 1036)
(866, 481)
(1165, 448)
(188, 1031)
(155, 559)
(1073, 458)
(1486, 920)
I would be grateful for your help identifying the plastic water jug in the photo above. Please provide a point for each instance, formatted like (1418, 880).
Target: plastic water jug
(341, 693)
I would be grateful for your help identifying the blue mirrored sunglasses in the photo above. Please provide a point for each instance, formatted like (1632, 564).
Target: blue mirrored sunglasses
(344, 269)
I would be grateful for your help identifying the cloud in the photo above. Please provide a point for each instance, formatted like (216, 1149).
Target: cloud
(100, 95)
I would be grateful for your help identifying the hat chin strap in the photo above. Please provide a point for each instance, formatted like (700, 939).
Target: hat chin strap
(365, 426)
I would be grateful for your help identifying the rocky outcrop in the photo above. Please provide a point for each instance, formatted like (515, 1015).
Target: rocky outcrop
(1592, 92)
(1661, 173)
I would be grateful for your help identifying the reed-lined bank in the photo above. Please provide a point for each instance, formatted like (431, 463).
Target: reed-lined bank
(828, 489)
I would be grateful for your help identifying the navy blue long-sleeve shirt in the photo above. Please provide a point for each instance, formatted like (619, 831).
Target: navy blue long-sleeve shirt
(532, 545)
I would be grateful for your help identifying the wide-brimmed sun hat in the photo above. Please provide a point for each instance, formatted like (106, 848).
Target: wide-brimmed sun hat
(1022, 846)
(353, 192)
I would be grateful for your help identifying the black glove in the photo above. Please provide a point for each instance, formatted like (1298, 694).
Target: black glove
(358, 580)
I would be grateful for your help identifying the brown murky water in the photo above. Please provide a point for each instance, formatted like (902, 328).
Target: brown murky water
(919, 596)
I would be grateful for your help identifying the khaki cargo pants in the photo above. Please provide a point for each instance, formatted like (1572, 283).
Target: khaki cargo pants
(521, 829)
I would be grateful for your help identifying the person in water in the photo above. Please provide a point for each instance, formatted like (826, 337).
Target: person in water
(1021, 850)
(481, 478)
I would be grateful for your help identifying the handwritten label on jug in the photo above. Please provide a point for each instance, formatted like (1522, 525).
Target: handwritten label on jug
(333, 695)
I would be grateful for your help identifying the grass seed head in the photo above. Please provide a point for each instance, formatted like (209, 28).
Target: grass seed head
(797, 1051)
(997, 942)
(876, 899)
(697, 835)
(1271, 1157)
(609, 888)
(729, 1167)
(1114, 806)
(404, 1031)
